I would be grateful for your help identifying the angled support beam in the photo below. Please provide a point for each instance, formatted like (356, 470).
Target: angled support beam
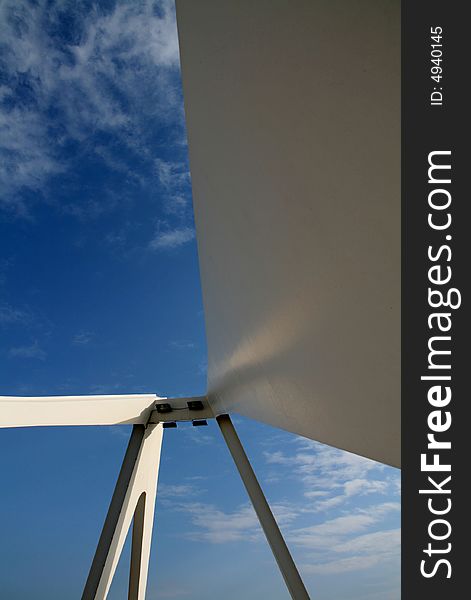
(270, 527)
(133, 497)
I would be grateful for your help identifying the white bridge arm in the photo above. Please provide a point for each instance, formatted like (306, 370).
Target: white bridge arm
(127, 409)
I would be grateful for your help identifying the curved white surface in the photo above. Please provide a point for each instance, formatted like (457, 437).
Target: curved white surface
(293, 117)
(75, 410)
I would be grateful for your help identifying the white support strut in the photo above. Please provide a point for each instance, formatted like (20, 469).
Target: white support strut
(134, 496)
(282, 555)
(136, 488)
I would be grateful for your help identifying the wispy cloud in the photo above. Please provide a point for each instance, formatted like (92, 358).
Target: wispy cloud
(345, 543)
(219, 527)
(28, 158)
(174, 178)
(350, 522)
(332, 477)
(182, 345)
(198, 436)
(351, 536)
(169, 239)
(177, 491)
(172, 175)
(10, 315)
(33, 350)
(82, 338)
(333, 531)
(113, 72)
(363, 552)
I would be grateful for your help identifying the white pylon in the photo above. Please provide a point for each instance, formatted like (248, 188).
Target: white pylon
(134, 496)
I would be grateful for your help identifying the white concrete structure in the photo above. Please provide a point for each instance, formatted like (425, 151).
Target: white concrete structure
(139, 487)
(130, 409)
(135, 492)
(293, 124)
(293, 116)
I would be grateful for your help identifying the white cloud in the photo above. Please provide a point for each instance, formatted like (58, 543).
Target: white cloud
(10, 315)
(324, 535)
(169, 239)
(365, 486)
(171, 174)
(349, 542)
(34, 350)
(27, 157)
(182, 345)
(241, 525)
(331, 477)
(217, 526)
(197, 436)
(365, 550)
(344, 565)
(359, 534)
(176, 491)
(174, 178)
(316, 494)
(333, 530)
(350, 535)
(114, 74)
(82, 338)
(377, 542)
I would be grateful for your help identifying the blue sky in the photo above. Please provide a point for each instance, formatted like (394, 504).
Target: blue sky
(100, 293)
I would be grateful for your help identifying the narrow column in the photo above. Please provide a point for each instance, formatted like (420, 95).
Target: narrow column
(267, 520)
(134, 496)
(114, 511)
